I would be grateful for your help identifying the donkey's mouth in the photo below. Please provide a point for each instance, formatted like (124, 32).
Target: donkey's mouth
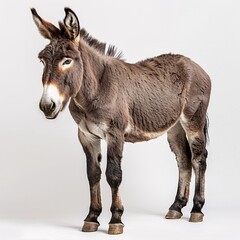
(52, 117)
(54, 114)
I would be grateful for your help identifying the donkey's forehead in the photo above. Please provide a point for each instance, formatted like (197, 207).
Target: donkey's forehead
(59, 47)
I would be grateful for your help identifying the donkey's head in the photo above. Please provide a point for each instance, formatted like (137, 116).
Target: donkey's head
(62, 73)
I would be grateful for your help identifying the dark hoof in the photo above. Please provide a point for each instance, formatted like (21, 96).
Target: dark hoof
(172, 214)
(196, 217)
(116, 228)
(90, 227)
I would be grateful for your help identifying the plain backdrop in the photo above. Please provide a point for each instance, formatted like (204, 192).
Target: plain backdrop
(42, 165)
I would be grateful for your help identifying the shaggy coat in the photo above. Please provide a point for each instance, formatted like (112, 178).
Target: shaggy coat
(120, 102)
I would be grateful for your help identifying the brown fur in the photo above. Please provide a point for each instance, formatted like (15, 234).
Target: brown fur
(118, 101)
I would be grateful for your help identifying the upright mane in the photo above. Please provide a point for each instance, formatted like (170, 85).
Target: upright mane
(94, 43)
(99, 46)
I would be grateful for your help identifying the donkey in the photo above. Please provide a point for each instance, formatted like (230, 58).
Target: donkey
(120, 102)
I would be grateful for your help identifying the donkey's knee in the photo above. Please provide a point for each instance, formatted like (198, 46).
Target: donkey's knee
(114, 174)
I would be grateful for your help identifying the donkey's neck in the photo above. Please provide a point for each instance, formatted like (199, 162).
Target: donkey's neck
(93, 69)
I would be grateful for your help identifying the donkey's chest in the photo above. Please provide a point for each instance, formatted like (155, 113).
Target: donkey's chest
(93, 130)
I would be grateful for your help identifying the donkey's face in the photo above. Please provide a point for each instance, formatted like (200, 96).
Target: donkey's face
(62, 73)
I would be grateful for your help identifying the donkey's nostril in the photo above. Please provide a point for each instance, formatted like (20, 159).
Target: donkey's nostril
(53, 106)
(43, 106)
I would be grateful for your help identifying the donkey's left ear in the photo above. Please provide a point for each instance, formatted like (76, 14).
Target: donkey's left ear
(72, 24)
(47, 29)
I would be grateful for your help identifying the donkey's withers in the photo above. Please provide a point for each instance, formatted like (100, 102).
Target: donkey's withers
(117, 101)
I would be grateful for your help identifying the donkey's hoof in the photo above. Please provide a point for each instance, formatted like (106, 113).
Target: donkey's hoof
(90, 227)
(116, 228)
(196, 217)
(173, 214)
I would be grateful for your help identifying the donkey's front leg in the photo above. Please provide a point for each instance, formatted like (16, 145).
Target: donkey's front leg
(115, 143)
(93, 153)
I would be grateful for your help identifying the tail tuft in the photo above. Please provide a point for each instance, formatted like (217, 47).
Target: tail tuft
(206, 126)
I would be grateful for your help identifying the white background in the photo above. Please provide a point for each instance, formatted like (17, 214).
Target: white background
(43, 185)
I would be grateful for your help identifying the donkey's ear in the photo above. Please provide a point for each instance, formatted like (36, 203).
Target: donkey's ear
(72, 24)
(47, 30)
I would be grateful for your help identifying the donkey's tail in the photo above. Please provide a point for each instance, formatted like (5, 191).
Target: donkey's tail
(206, 126)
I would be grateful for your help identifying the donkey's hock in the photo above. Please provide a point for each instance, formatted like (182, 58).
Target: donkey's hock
(119, 102)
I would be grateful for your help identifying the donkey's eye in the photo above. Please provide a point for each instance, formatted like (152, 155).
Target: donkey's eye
(67, 61)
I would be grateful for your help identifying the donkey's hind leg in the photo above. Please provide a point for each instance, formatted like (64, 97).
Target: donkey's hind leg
(92, 150)
(196, 133)
(179, 145)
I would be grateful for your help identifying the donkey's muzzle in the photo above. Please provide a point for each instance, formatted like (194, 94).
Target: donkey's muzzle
(51, 101)
(48, 108)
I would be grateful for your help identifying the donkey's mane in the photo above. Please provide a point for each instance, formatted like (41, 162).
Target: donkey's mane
(94, 43)
(99, 46)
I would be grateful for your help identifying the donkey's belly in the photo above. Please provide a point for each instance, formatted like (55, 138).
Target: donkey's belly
(132, 134)
(137, 135)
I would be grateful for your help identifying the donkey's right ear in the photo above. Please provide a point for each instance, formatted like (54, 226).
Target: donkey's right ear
(47, 30)
(72, 24)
